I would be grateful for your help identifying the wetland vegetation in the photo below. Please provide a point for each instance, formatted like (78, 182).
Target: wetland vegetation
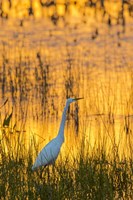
(52, 50)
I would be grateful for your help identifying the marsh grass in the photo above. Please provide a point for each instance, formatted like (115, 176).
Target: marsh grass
(85, 176)
(97, 170)
(100, 164)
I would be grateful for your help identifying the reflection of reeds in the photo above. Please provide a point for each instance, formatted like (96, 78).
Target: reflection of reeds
(3, 73)
(42, 73)
(102, 165)
(72, 87)
(97, 169)
(52, 9)
(69, 79)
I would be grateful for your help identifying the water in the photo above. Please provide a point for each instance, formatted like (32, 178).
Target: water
(42, 64)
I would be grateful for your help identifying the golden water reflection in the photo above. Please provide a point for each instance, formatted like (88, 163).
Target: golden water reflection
(41, 65)
(41, 8)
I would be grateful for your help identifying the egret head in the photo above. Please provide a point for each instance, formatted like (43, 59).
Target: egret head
(70, 100)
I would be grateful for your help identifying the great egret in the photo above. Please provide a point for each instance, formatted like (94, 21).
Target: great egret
(49, 153)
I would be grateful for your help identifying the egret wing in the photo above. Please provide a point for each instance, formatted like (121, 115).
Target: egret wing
(48, 154)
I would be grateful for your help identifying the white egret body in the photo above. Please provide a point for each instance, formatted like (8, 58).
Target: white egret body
(50, 152)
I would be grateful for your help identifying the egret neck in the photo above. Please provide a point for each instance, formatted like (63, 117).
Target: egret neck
(62, 125)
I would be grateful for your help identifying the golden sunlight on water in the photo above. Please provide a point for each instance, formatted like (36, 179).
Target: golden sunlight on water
(42, 8)
(41, 65)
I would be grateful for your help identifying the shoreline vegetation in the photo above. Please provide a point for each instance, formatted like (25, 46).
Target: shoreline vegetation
(90, 173)
(86, 176)
(109, 11)
(41, 65)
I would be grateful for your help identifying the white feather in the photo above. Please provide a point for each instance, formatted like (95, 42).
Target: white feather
(50, 152)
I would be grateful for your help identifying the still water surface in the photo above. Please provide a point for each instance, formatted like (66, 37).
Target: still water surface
(42, 64)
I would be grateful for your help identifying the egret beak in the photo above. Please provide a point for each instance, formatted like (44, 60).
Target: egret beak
(76, 99)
